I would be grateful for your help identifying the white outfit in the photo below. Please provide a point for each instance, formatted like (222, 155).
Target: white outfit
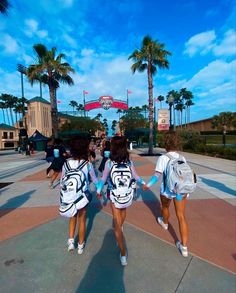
(161, 168)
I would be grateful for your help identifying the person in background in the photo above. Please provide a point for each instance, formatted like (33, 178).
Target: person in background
(59, 157)
(105, 155)
(49, 155)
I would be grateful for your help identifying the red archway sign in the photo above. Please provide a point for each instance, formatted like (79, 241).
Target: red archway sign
(105, 102)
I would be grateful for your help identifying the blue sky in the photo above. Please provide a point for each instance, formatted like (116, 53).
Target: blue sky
(97, 37)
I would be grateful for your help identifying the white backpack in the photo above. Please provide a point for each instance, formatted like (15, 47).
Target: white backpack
(74, 194)
(123, 185)
(179, 177)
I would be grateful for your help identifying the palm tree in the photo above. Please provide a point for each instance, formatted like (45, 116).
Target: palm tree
(98, 116)
(52, 71)
(171, 99)
(160, 99)
(73, 104)
(80, 108)
(150, 56)
(4, 6)
(3, 106)
(187, 97)
(119, 111)
(113, 126)
(145, 109)
(10, 102)
(188, 104)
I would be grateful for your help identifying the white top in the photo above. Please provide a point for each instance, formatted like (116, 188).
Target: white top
(161, 167)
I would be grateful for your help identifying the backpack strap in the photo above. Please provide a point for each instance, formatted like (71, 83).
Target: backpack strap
(81, 165)
(67, 166)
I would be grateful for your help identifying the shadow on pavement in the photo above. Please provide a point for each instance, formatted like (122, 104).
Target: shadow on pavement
(150, 200)
(15, 202)
(104, 273)
(93, 209)
(218, 185)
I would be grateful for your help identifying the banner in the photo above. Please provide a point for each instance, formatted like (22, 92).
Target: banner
(163, 119)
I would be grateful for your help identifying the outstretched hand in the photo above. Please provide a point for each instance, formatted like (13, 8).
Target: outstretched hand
(145, 187)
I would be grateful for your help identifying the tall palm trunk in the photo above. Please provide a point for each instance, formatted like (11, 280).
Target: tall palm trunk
(150, 102)
(54, 113)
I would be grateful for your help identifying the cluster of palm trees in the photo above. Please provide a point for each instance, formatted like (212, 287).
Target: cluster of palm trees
(10, 104)
(77, 107)
(179, 105)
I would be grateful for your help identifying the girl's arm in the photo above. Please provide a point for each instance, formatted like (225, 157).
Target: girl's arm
(136, 176)
(92, 174)
(154, 179)
(104, 177)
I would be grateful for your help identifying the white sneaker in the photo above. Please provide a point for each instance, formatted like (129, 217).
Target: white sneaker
(123, 260)
(160, 222)
(71, 245)
(81, 248)
(183, 249)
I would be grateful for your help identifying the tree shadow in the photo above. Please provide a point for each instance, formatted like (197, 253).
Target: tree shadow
(15, 202)
(104, 273)
(218, 185)
(153, 203)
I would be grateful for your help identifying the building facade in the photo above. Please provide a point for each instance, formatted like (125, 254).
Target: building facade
(9, 137)
(38, 117)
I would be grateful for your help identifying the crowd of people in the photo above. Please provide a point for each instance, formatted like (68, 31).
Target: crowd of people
(118, 177)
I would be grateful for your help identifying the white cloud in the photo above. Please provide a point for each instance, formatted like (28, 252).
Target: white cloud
(72, 42)
(214, 74)
(227, 46)
(31, 29)
(9, 45)
(201, 43)
(207, 42)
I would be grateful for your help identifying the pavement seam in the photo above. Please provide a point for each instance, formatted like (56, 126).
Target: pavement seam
(176, 290)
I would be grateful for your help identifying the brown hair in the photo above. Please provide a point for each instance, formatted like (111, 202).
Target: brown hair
(119, 152)
(79, 148)
(172, 141)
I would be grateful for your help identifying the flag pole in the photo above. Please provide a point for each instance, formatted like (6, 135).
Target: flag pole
(84, 103)
(128, 98)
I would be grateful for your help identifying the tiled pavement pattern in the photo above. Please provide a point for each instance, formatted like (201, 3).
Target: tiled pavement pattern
(33, 237)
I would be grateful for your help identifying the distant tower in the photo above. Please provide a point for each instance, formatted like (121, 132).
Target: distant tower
(38, 116)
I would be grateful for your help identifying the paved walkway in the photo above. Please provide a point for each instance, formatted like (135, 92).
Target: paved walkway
(33, 250)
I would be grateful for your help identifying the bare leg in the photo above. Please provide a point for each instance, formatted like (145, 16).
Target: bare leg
(72, 226)
(82, 225)
(54, 176)
(180, 213)
(118, 218)
(165, 204)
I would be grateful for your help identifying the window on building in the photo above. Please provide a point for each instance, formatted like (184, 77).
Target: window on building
(11, 135)
(4, 135)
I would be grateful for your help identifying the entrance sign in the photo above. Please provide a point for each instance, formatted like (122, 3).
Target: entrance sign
(163, 119)
(106, 102)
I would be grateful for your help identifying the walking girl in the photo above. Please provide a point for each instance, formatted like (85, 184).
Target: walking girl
(172, 145)
(79, 163)
(121, 176)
